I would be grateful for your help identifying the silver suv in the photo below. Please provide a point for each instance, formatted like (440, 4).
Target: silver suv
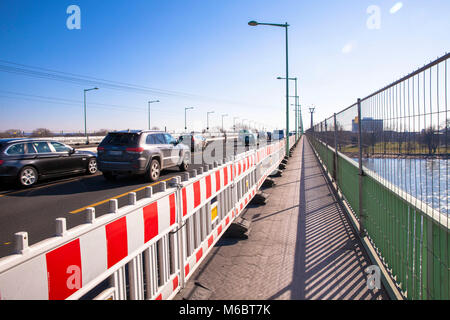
(141, 152)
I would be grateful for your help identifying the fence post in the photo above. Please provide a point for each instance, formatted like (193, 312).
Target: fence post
(335, 151)
(180, 230)
(361, 173)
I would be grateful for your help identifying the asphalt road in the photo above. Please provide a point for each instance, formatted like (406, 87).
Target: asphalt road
(34, 210)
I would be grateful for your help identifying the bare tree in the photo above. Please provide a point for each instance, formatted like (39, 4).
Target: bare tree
(430, 139)
(42, 132)
(101, 132)
(11, 133)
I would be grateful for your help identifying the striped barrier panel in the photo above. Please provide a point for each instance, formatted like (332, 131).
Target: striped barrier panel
(145, 250)
(57, 268)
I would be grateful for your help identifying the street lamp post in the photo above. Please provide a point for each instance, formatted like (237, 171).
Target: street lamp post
(207, 119)
(296, 115)
(312, 110)
(296, 104)
(243, 125)
(223, 116)
(285, 26)
(185, 109)
(301, 119)
(234, 123)
(85, 127)
(150, 102)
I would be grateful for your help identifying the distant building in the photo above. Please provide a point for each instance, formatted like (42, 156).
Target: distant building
(368, 125)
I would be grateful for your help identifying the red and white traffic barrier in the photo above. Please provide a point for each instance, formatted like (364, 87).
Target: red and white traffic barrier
(71, 264)
(78, 260)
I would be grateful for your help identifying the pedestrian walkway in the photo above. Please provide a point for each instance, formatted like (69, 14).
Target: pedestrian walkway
(300, 246)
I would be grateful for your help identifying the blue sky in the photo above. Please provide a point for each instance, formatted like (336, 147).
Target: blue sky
(205, 48)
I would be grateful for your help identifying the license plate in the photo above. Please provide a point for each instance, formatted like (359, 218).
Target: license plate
(115, 153)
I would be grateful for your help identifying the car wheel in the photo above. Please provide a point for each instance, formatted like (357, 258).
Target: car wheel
(184, 166)
(153, 171)
(28, 176)
(92, 166)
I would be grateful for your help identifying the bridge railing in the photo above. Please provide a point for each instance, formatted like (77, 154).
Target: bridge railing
(97, 139)
(147, 249)
(388, 155)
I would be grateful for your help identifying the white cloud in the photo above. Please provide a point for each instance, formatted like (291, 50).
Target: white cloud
(396, 7)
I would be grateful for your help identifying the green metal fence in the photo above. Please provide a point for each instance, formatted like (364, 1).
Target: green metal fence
(413, 244)
(376, 162)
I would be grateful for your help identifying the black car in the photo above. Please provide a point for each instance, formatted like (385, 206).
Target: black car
(141, 152)
(26, 161)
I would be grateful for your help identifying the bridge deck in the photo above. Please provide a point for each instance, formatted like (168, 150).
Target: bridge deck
(300, 246)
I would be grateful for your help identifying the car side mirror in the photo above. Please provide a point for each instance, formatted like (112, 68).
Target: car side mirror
(72, 151)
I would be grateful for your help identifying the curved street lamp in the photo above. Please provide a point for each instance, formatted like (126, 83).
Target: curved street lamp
(150, 102)
(207, 119)
(254, 24)
(85, 127)
(234, 123)
(223, 116)
(185, 109)
(296, 105)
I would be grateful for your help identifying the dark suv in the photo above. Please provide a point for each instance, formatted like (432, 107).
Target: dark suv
(28, 160)
(141, 152)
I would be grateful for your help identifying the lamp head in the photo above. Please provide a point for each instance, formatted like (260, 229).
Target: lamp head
(253, 23)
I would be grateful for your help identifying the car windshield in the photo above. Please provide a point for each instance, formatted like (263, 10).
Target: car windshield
(121, 139)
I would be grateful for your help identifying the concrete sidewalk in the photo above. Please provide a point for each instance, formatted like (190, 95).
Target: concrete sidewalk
(300, 246)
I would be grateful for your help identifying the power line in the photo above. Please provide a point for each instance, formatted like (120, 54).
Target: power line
(26, 96)
(26, 70)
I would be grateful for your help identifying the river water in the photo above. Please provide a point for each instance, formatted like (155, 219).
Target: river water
(425, 179)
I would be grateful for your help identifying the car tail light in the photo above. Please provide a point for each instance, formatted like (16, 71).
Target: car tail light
(135, 150)
(1, 162)
(100, 149)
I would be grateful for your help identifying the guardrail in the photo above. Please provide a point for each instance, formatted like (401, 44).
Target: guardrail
(388, 156)
(147, 249)
(98, 139)
(74, 140)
